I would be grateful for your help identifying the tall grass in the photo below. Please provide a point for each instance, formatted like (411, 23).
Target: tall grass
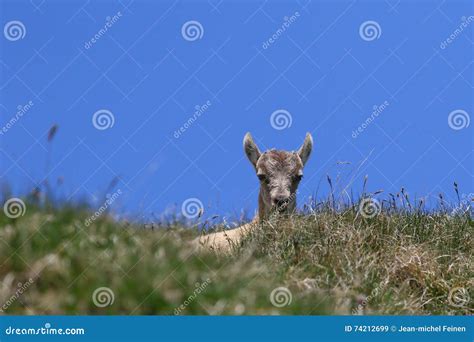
(330, 259)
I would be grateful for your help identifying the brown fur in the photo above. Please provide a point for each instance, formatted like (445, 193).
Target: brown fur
(280, 173)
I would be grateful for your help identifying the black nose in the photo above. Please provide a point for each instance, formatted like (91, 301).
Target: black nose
(280, 201)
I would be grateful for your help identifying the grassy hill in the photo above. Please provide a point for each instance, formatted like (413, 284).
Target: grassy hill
(59, 261)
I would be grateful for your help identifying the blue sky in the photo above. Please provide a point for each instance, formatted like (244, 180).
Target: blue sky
(320, 66)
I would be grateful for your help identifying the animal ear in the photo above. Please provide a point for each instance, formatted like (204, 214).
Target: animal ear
(305, 149)
(251, 150)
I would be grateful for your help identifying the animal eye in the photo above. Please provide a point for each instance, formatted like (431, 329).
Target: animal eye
(298, 177)
(263, 178)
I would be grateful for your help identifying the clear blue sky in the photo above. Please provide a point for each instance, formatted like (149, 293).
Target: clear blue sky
(328, 64)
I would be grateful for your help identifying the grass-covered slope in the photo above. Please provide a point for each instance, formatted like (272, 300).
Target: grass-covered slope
(51, 262)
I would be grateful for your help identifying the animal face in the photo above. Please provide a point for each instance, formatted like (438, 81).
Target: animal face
(279, 172)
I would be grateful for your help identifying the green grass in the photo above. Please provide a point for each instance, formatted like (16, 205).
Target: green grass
(398, 262)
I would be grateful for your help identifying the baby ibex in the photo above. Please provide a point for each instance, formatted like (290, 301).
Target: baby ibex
(280, 173)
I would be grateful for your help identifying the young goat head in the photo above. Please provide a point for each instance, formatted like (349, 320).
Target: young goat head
(280, 173)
